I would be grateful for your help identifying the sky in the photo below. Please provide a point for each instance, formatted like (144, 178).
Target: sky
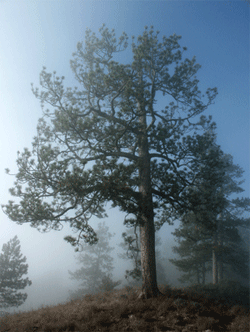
(41, 33)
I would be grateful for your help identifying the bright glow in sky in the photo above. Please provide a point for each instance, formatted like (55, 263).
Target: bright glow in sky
(39, 33)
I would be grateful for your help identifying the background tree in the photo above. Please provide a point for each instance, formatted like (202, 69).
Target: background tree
(195, 255)
(136, 153)
(132, 246)
(210, 197)
(245, 235)
(97, 266)
(196, 252)
(11, 270)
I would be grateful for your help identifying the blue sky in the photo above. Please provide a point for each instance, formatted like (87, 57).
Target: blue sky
(41, 33)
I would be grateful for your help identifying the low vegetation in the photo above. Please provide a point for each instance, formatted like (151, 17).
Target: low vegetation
(198, 308)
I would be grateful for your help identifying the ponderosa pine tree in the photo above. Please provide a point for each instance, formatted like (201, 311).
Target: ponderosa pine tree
(11, 270)
(219, 249)
(108, 142)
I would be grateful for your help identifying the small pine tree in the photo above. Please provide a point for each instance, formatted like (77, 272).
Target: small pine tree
(96, 272)
(11, 269)
(107, 284)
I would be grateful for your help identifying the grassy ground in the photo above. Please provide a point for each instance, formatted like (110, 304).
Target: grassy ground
(208, 308)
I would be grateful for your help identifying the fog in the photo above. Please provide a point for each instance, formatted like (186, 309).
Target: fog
(34, 34)
(50, 257)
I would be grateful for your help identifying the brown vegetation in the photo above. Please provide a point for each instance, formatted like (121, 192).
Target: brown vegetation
(197, 308)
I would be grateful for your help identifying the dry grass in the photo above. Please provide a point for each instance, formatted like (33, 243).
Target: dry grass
(186, 309)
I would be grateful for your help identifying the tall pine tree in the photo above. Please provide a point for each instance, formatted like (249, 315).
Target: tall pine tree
(107, 141)
(218, 249)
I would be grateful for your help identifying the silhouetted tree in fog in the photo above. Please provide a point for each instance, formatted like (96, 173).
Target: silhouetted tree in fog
(11, 270)
(202, 249)
(97, 266)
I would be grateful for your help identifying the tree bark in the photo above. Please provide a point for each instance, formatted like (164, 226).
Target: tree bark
(198, 276)
(215, 263)
(220, 261)
(203, 273)
(147, 229)
(218, 268)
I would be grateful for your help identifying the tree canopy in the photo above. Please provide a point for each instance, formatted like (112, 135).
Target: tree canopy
(109, 141)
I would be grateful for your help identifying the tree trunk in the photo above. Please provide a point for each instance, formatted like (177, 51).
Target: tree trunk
(220, 271)
(215, 266)
(217, 263)
(198, 276)
(203, 273)
(147, 229)
(220, 261)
